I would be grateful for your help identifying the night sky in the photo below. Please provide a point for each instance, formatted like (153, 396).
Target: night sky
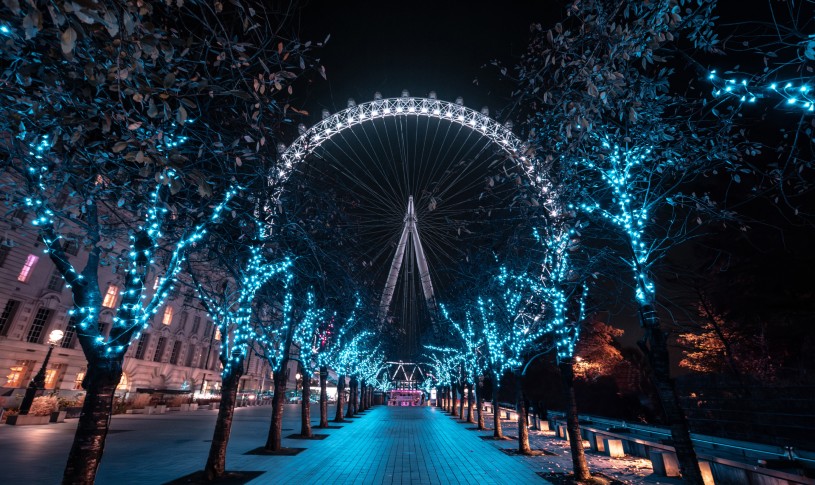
(420, 46)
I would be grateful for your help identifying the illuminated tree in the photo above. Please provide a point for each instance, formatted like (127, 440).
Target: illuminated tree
(102, 102)
(444, 362)
(472, 357)
(512, 324)
(370, 369)
(306, 338)
(325, 336)
(563, 296)
(277, 327)
(227, 292)
(602, 114)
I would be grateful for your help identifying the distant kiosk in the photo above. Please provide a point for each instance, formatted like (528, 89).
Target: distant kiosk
(405, 397)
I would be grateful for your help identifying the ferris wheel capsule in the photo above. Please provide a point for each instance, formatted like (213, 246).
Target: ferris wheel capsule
(460, 101)
(377, 96)
(301, 128)
(485, 111)
(405, 93)
(326, 113)
(432, 95)
(281, 148)
(351, 102)
(508, 125)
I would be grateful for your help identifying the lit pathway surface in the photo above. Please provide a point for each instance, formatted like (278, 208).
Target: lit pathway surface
(385, 445)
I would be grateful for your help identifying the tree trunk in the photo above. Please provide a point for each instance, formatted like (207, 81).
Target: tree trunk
(479, 403)
(216, 461)
(454, 400)
(655, 347)
(461, 402)
(362, 390)
(520, 408)
(351, 399)
(340, 397)
(89, 440)
(355, 391)
(581, 468)
(498, 432)
(305, 403)
(470, 402)
(273, 442)
(323, 397)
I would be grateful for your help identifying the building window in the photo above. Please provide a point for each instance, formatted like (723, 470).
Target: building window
(7, 317)
(218, 334)
(167, 319)
(207, 329)
(124, 384)
(55, 282)
(110, 296)
(196, 322)
(15, 377)
(187, 296)
(54, 376)
(141, 348)
(202, 363)
(175, 352)
(191, 355)
(182, 320)
(5, 249)
(70, 334)
(28, 267)
(159, 349)
(103, 326)
(40, 319)
(157, 282)
(78, 381)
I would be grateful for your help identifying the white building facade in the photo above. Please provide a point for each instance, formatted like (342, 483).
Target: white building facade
(178, 352)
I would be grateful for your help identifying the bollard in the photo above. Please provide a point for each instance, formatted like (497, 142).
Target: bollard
(614, 447)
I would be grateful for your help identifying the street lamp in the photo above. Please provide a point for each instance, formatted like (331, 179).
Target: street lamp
(38, 382)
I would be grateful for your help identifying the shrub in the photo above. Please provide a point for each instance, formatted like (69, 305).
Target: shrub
(44, 406)
(141, 401)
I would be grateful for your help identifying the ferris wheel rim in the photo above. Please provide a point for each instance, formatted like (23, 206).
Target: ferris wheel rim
(404, 106)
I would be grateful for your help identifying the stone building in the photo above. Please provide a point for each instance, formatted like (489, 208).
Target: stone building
(178, 352)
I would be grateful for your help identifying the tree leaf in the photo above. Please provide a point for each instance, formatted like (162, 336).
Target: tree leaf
(181, 115)
(32, 23)
(119, 146)
(68, 40)
(12, 5)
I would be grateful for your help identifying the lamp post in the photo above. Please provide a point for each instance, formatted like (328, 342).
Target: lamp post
(38, 382)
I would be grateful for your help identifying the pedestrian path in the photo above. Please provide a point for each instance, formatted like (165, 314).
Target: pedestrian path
(386, 445)
(398, 445)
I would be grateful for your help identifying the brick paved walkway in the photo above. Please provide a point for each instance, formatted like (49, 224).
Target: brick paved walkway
(385, 445)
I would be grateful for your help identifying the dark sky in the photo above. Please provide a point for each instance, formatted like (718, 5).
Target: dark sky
(418, 45)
